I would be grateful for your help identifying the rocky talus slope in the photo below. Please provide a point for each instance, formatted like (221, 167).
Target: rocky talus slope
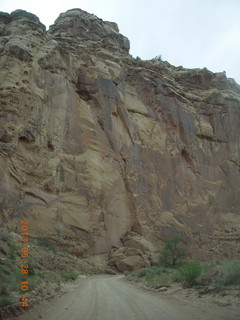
(101, 151)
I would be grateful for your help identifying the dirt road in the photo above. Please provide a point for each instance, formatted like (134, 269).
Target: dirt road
(110, 298)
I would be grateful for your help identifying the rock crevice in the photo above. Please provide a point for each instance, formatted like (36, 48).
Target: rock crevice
(91, 139)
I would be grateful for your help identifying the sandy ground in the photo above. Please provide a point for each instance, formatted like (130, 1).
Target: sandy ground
(110, 298)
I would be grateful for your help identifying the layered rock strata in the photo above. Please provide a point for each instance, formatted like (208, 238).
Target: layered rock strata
(95, 144)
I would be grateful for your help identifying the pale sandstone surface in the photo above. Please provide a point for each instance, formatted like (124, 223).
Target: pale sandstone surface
(95, 145)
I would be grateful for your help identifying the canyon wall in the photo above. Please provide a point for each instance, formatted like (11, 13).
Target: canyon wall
(95, 144)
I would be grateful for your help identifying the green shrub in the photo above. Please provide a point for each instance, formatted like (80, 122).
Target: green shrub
(172, 254)
(14, 280)
(137, 58)
(206, 267)
(4, 289)
(47, 291)
(164, 258)
(34, 282)
(4, 236)
(31, 267)
(140, 273)
(5, 300)
(229, 273)
(189, 273)
(155, 276)
(158, 58)
(5, 270)
(150, 275)
(69, 275)
(160, 270)
(161, 280)
(12, 251)
(49, 276)
(46, 244)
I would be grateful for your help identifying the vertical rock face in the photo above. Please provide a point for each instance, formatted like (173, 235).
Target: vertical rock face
(95, 144)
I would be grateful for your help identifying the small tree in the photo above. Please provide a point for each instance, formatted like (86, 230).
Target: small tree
(171, 254)
(138, 58)
(189, 273)
(158, 58)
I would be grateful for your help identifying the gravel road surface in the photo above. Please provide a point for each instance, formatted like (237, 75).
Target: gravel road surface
(111, 298)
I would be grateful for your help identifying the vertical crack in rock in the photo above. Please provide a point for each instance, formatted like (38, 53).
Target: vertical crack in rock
(99, 150)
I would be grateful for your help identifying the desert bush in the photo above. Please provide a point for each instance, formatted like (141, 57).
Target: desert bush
(12, 251)
(210, 271)
(164, 257)
(162, 270)
(6, 300)
(34, 282)
(4, 236)
(137, 58)
(46, 244)
(229, 273)
(189, 273)
(206, 267)
(160, 280)
(4, 289)
(155, 276)
(15, 279)
(150, 275)
(140, 273)
(31, 269)
(172, 254)
(5, 270)
(158, 58)
(31, 266)
(68, 275)
(49, 276)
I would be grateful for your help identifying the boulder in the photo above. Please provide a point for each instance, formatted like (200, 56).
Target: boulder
(131, 263)
(208, 276)
(128, 259)
(134, 240)
(137, 241)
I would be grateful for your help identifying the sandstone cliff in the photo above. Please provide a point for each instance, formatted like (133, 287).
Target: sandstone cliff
(95, 144)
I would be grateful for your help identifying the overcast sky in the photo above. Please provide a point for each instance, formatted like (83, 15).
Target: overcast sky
(191, 33)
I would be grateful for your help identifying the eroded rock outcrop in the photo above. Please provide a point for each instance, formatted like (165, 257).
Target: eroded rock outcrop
(136, 253)
(95, 144)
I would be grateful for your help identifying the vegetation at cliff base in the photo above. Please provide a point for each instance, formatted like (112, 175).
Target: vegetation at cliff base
(229, 273)
(155, 276)
(189, 273)
(69, 275)
(173, 269)
(172, 254)
(47, 268)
